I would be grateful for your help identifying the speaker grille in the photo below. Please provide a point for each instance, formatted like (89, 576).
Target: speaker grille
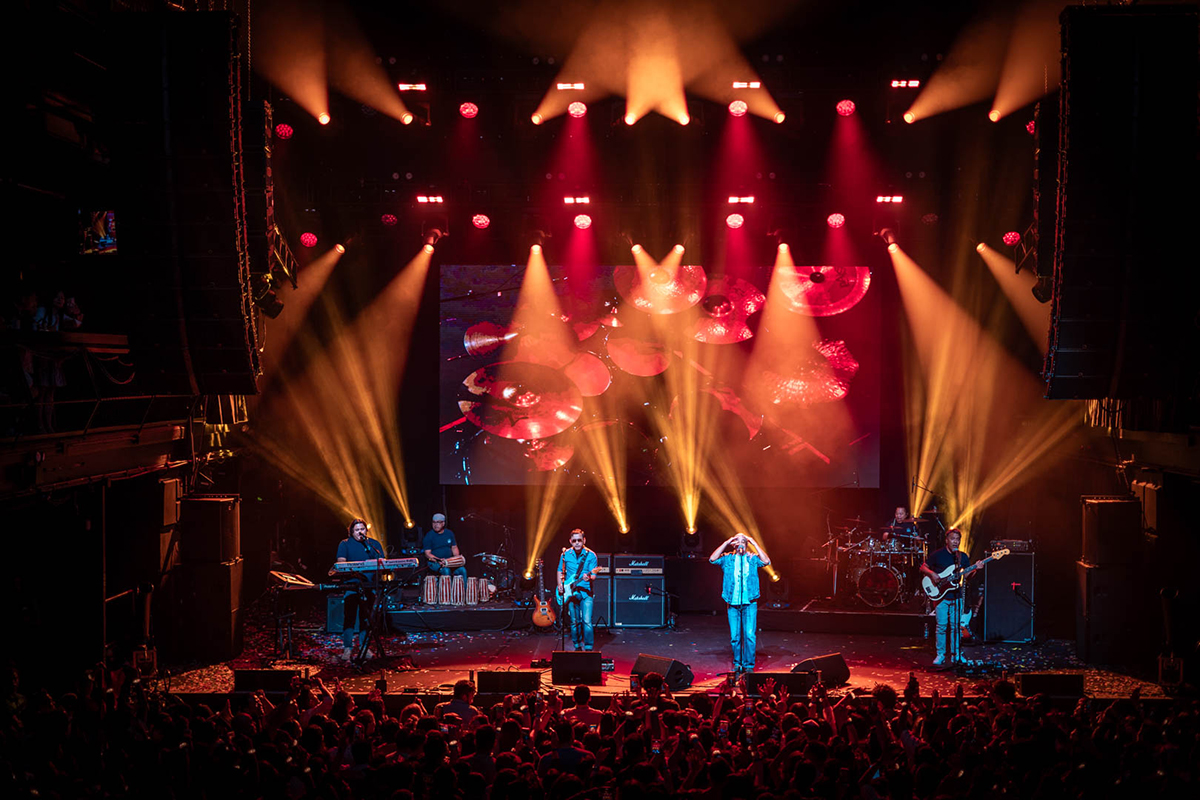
(635, 607)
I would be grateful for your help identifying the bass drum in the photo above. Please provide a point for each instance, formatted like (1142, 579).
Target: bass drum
(880, 585)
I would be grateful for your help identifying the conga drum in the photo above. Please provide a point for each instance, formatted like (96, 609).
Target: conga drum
(444, 583)
(458, 590)
(429, 592)
(472, 592)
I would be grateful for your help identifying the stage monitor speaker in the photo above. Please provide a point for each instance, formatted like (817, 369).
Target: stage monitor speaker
(212, 604)
(637, 602)
(678, 676)
(1056, 684)
(335, 613)
(570, 668)
(1112, 530)
(832, 668)
(507, 682)
(1008, 600)
(268, 680)
(797, 683)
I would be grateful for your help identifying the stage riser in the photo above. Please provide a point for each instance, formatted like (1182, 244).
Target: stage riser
(460, 619)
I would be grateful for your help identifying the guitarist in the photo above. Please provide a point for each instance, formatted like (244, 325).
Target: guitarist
(576, 569)
(935, 564)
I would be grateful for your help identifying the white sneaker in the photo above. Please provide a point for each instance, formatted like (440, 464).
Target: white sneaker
(937, 662)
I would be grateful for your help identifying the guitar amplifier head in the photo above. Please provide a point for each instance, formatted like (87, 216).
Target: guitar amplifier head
(1012, 545)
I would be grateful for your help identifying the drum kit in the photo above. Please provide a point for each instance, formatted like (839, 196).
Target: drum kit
(881, 565)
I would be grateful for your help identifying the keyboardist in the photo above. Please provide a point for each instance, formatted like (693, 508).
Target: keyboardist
(357, 546)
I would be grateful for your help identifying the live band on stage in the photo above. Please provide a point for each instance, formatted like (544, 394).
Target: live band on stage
(911, 564)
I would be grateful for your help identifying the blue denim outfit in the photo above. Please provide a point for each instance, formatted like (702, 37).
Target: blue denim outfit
(579, 607)
(739, 589)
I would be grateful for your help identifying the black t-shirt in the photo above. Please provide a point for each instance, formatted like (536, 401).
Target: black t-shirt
(941, 558)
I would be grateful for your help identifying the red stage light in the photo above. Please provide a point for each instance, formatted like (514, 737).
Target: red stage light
(284, 131)
(323, 118)
(836, 220)
(388, 219)
(735, 221)
(1012, 238)
(480, 221)
(845, 107)
(1030, 127)
(469, 110)
(308, 239)
(577, 109)
(738, 108)
(430, 198)
(583, 221)
(889, 198)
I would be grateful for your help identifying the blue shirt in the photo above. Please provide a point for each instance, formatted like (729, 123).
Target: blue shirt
(352, 550)
(740, 585)
(440, 544)
(568, 565)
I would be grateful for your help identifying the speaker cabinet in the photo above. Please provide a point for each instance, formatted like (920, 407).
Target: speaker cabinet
(213, 607)
(1056, 684)
(602, 591)
(678, 676)
(1112, 625)
(267, 680)
(335, 613)
(832, 668)
(573, 668)
(210, 528)
(1008, 599)
(1112, 530)
(508, 682)
(637, 602)
(797, 683)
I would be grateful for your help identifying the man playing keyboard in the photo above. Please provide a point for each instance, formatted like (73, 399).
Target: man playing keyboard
(357, 546)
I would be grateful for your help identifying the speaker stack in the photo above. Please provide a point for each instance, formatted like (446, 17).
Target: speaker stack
(602, 591)
(1008, 602)
(1107, 616)
(637, 591)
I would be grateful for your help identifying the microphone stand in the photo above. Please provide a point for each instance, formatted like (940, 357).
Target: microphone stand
(668, 596)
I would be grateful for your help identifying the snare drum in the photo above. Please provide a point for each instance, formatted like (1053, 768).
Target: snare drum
(429, 593)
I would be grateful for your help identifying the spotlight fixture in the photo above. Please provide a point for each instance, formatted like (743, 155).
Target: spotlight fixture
(743, 199)
(536, 249)
(735, 221)
(678, 249)
(431, 237)
(1043, 290)
(577, 109)
(747, 84)
(889, 198)
(582, 200)
(835, 220)
(583, 221)
(481, 221)
(905, 84)
(1031, 127)
(284, 131)
(569, 87)
(630, 119)
(690, 544)
(979, 248)
(406, 118)
(1012, 238)
(637, 248)
(341, 248)
(308, 239)
(783, 247)
(994, 115)
(536, 118)
(683, 119)
(469, 110)
(624, 529)
(323, 118)
(430, 198)
(780, 117)
(910, 117)
(889, 238)
(845, 107)
(738, 108)
(388, 219)
(411, 87)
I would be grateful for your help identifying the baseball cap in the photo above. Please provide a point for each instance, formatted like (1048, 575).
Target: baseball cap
(439, 517)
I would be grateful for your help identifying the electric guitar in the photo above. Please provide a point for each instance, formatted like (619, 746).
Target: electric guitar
(965, 633)
(568, 589)
(543, 613)
(934, 593)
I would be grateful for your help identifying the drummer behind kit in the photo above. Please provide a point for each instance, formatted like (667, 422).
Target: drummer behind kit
(883, 563)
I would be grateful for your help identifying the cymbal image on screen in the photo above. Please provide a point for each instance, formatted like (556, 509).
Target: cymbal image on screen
(519, 400)
(823, 291)
(590, 374)
(822, 377)
(661, 290)
(638, 356)
(725, 309)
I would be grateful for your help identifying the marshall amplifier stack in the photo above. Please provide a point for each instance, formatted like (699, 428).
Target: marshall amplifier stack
(602, 591)
(637, 591)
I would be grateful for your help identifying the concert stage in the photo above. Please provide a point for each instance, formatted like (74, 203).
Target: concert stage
(482, 618)
(428, 663)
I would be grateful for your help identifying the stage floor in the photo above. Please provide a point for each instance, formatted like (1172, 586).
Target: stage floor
(429, 662)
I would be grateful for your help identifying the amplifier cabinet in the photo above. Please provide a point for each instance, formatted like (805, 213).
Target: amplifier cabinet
(637, 602)
(625, 564)
(1008, 599)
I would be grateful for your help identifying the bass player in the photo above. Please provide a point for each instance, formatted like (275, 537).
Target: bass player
(937, 562)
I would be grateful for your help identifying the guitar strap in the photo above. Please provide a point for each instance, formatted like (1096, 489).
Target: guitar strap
(578, 572)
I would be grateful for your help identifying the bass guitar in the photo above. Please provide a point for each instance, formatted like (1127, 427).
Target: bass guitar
(933, 592)
(543, 613)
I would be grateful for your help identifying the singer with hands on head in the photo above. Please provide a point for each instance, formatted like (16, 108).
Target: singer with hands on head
(739, 590)
(577, 567)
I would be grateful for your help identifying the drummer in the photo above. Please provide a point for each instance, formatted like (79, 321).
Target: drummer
(901, 524)
(440, 544)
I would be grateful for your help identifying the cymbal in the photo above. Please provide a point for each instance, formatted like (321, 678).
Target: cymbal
(548, 456)
(519, 400)
(820, 378)
(485, 337)
(857, 520)
(823, 291)
(550, 347)
(638, 356)
(725, 309)
(590, 374)
(661, 290)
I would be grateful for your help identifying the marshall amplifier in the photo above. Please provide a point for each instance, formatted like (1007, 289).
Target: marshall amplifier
(602, 591)
(625, 564)
(637, 601)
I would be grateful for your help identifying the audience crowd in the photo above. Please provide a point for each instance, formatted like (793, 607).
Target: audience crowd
(114, 737)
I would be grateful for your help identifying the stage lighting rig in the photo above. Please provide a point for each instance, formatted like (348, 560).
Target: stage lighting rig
(690, 543)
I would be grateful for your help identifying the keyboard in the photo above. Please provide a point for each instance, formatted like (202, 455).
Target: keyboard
(377, 565)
